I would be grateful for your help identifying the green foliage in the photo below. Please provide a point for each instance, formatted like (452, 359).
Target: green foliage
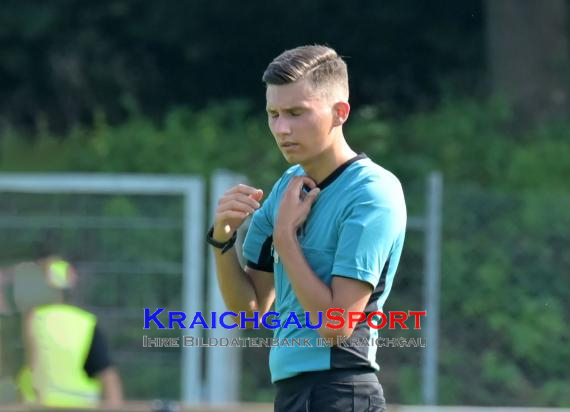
(505, 283)
(66, 57)
(504, 279)
(186, 142)
(469, 142)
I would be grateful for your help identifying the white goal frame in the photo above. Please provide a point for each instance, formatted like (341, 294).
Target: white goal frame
(192, 190)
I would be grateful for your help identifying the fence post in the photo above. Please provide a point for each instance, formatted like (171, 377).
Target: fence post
(192, 286)
(222, 363)
(432, 267)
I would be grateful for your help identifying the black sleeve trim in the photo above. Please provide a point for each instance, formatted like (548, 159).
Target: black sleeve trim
(265, 261)
(98, 357)
(255, 266)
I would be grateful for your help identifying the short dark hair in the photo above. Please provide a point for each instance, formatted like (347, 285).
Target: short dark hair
(321, 65)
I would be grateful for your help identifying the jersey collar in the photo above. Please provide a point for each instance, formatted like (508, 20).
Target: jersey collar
(338, 171)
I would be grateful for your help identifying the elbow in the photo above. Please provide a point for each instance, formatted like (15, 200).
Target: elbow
(249, 318)
(237, 306)
(248, 309)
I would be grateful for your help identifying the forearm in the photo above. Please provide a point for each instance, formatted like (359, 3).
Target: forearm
(236, 287)
(313, 294)
(112, 387)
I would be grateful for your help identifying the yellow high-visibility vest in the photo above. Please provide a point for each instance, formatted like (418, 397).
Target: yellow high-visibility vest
(25, 385)
(61, 336)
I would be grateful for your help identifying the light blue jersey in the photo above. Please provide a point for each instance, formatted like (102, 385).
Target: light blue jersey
(355, 229)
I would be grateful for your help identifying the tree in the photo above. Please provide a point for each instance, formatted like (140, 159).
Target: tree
(528, 56)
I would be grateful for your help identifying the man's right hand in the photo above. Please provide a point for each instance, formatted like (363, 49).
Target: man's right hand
(233, 208)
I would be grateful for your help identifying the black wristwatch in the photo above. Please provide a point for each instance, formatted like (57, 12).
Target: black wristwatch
(225, 246)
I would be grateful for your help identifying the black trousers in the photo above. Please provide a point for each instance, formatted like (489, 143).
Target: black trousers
(344, 390)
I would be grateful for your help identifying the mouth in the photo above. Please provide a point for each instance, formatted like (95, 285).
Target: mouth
(288, 145)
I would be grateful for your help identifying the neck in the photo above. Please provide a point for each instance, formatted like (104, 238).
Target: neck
(327, 162)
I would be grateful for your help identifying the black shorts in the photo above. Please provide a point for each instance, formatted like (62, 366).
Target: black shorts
(340, 390)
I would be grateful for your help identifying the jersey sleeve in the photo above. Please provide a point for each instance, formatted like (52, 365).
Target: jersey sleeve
(259, 238)
(98, 358)
(370, 230)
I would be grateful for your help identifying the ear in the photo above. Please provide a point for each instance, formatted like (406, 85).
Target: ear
(341, 110)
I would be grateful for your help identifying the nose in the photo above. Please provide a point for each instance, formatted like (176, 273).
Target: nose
(281, 126)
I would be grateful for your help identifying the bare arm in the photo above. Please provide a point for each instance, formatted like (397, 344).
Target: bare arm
(243, 290)
(316, 296)
(313, 294)
(112, 387)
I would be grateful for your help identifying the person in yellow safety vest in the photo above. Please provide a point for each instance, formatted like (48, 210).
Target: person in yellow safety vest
(68, 360)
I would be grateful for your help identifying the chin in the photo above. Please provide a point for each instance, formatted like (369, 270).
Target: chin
(293, 159)
(289, 158)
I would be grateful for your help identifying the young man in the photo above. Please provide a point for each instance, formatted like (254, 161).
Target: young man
(329, 235)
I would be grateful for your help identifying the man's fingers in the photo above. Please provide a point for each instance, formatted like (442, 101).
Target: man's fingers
(246, 190)
(307, 181)
(312, 195)
(296, 184)
(258, 195)
(240, 198)
(236, 205)
(299, 185)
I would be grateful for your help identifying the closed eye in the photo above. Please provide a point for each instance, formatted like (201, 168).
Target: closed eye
(291, 112)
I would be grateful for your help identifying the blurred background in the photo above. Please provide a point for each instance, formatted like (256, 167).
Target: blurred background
(477, 91)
